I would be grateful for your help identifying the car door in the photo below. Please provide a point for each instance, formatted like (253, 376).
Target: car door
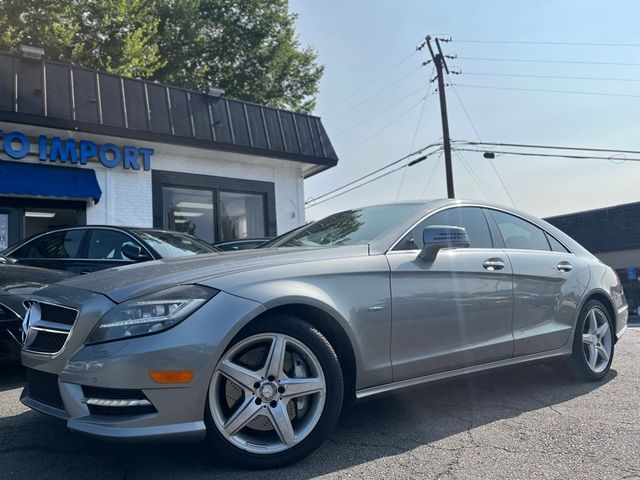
(58, 250)
(455, 311)
(103, 249)
(549, 282)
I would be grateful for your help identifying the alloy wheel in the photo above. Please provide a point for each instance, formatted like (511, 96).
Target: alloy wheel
(597, 340)
(267, 393)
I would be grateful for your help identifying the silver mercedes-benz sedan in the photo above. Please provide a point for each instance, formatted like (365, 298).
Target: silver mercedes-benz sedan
(259, 349)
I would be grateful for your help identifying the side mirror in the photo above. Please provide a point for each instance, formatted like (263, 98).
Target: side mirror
(133, 252)
(437, 237)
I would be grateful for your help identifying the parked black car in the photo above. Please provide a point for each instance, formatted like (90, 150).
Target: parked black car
(91, 248)
(242, 244)
(17, 282)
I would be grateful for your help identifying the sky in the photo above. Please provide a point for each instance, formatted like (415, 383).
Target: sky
(374, 119)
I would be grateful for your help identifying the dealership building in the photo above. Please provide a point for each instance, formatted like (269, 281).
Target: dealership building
(613, 235)
(80, 147)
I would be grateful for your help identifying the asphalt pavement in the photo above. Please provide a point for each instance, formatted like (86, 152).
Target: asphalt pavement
(524, 422)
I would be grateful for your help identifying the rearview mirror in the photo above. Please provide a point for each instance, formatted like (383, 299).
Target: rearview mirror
(437, 237)
(133, 252)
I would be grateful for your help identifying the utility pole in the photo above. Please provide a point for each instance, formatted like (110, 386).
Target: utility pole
(440, 63)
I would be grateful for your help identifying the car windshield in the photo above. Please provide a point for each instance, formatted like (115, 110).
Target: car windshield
(351, 227)
(172, 244)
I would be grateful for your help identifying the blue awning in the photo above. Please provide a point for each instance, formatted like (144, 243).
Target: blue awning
(38, 180)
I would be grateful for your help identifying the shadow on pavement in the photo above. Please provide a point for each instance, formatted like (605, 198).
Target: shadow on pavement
(35, 446)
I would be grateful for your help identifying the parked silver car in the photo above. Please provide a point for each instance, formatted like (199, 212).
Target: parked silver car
(261, 348)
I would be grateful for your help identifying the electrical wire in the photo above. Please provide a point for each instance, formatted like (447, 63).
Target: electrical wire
(415, 135)
(475, 130)
(314, 204)
(546, 147)
(384, 167)
(433, 171)
(559, 77)
(369, 82)
(384, 127)
(532, 60)
(521, 42)
(555, 155)
(373, 95)
(474, 177)
(384, 109)
(543, 90)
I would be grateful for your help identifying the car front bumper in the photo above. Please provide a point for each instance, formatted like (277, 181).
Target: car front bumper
(177, 411)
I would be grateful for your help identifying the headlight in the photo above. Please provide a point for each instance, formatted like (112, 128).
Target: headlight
(150, 314)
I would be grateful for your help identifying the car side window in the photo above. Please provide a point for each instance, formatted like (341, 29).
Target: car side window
(520, 234)
(105, 244)
(471, 218)
(556, 246)
(64, 244)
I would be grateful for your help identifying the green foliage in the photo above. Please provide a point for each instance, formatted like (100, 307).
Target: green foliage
(248, 47)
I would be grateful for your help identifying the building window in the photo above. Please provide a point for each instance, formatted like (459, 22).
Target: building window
(213, 208)
(189, 211)
(242, 215)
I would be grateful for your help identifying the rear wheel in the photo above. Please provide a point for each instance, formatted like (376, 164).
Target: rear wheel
(593, 344)
(275, 394)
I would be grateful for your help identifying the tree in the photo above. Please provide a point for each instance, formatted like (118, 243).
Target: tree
(117, 36)
(247, 47)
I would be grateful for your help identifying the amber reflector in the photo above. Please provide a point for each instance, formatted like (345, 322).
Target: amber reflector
(172, 376)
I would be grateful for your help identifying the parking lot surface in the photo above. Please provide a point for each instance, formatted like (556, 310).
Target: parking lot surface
(525, 422)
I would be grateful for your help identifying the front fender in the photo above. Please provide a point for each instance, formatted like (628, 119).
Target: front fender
(354, 292)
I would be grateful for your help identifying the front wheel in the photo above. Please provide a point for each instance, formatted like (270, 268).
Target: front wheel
(593, 344)
(275, 394)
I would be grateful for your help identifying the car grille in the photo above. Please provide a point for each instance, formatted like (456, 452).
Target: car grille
(48, 341)
(57, 314)
(43, 388)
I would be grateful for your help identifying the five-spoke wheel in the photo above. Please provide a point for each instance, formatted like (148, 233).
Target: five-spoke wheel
(273, 390)
(593, 343)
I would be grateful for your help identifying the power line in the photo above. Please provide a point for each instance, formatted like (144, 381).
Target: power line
(373, 95)
(339, 194)
(547, 147)
(474, 177)
(560, 77)
(521, 42)
(531, 60)
(475, 130)
(553, 155)
(543, 90)
(384, 127)
(382, 110)
(433, 171)
(415, 135)
(395, 162)
(369, 82)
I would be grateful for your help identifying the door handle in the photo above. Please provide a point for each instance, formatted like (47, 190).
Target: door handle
(493, 264)
(564, 267)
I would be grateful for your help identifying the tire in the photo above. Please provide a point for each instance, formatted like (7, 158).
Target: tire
(581, 364)
(242, 414)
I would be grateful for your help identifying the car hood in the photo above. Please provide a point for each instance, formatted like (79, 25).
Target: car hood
(122, 283)
(23, 280)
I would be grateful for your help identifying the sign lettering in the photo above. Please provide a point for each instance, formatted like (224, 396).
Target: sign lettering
(17, 146)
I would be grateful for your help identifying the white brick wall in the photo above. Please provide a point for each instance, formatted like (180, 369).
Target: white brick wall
(127, 195)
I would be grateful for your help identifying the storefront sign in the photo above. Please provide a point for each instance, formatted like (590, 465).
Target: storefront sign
(17, 145)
